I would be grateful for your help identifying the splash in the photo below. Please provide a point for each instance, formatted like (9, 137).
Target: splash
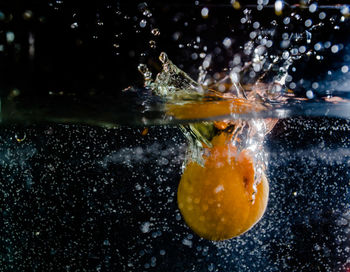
(224, 190)
(225, 155)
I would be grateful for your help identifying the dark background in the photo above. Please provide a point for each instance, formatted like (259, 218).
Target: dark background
(95, 46)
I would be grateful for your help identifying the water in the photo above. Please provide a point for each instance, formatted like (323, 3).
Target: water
(92, 154)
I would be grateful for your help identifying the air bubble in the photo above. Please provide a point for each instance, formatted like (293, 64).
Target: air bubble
(145, 227)
(187, 242)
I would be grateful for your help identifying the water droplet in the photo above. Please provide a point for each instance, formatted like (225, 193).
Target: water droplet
(10, 36)
(285, 54)
(335, 49)
(13, 93)
(227, 42)
(20, 137)
(308, 23)
(322, 15)
(27, 14)
(155, 31)
(345, 10)
(152, 44)
(275, 91)
(313, 8)
(279, 7)
(205, 12)
(143, 69)
(74, 25)
(235, 4)
(163, 57)
(147, 13)
(143, 23)
(256, 25)
(345, 69)
(310, 94)
(302, 49)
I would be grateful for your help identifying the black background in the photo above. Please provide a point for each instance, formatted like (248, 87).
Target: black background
(85, 58)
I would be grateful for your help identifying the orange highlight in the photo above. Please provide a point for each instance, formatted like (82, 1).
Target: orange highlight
(216, 200)
(208, 109)
(144, 132)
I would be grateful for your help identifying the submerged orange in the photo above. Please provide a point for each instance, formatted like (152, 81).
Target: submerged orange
(218, 200)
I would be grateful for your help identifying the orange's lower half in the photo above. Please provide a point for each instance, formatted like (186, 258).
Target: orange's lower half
(216, 200)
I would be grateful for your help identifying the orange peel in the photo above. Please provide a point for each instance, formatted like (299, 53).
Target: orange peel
(216, 199)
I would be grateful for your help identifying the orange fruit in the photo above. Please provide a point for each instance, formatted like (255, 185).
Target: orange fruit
(218, 200)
